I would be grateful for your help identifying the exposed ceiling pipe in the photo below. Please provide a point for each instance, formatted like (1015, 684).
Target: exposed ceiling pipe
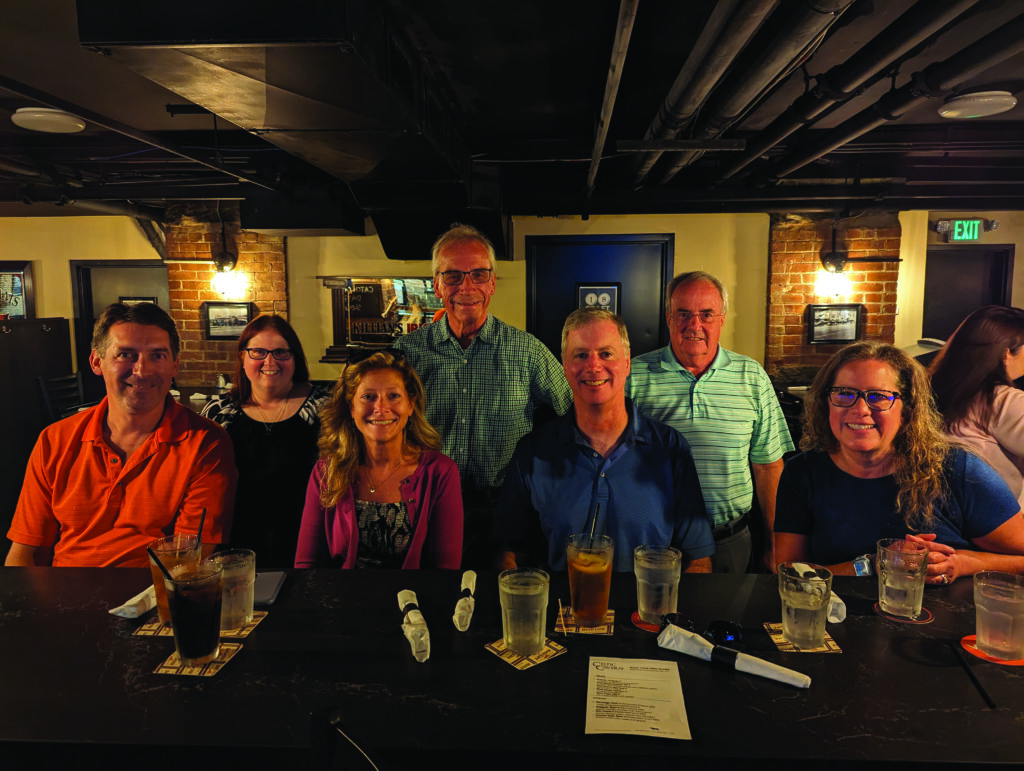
(103, 121)
(123, 209)
(841, 82)
(19, 168)
(804, 27)
(623, 30)
(934, 82)
(731, 26)
(154, 236)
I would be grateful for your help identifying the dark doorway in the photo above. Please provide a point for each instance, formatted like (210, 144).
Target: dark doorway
(95, 284)
(961, 279)
(641, 266)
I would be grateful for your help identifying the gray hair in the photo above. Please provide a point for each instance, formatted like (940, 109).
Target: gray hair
(689, 278)
(456, 233)
(584, 316)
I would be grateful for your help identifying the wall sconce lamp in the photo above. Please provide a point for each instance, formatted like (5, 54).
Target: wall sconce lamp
(224, 260)
(836, 261)
(833, 281)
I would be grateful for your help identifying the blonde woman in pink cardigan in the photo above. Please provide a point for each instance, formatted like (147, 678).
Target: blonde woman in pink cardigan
(381, 495)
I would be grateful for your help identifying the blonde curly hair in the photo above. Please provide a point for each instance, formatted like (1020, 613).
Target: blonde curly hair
(919, 449)
(341, 444)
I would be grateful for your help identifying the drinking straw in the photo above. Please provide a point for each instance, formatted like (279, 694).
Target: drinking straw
(202, 520)
(593, 525)
(159, 564)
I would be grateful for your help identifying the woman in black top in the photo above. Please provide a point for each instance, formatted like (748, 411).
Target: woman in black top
(271, 415)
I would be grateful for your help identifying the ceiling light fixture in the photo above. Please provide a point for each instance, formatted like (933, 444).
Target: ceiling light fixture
(47, 120)
(977, 105)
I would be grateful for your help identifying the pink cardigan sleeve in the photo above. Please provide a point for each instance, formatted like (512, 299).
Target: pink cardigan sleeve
(313, 550)
(443, 548)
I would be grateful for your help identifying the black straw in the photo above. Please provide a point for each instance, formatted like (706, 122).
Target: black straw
(202, 521)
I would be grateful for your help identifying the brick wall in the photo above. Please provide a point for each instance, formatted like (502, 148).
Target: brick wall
(194, 233)
(797, 245)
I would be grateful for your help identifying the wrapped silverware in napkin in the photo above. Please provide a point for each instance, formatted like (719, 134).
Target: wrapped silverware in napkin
(464, 607)
(683, 641)
(137, 605)
(414, 625)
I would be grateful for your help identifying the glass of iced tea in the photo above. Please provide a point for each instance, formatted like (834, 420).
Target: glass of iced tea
(590, 576)
(174, 551)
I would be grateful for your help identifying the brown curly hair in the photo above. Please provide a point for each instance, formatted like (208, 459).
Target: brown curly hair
(919, 449)
(341, 444)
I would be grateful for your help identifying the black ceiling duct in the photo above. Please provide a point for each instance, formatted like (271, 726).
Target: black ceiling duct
(409, 235)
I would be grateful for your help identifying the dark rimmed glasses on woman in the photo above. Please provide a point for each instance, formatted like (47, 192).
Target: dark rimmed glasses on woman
(877, 399)
(259, 354)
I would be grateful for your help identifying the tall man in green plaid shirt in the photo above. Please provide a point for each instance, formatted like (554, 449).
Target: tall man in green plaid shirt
(483, 379)
(725, 406)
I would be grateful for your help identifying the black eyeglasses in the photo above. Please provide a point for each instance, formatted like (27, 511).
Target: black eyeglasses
(259, 354)
(705, 317)
(877, 399)
(456, 277)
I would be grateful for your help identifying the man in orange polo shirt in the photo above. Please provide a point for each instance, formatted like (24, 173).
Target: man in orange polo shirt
(103, 484)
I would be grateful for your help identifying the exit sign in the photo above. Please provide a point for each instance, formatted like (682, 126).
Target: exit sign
(964, 231)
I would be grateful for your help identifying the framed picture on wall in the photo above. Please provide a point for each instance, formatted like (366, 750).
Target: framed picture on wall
(225, 321)
(833, 324)
(17, 299)
(137, 300)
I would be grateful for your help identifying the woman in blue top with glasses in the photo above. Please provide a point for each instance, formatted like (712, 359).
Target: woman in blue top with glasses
(877, 465)
(271, 415)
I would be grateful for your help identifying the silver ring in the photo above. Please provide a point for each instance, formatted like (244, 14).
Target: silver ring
(945, 578)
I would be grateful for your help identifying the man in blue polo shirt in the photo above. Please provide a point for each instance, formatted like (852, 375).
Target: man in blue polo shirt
(601, 460)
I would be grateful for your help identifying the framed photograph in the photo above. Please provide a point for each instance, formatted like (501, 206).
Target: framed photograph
(17, 299)
(225, 321)
(833, 324)
(137, 300)
(604, 296)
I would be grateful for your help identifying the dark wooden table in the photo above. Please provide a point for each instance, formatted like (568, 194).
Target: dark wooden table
(75, 683)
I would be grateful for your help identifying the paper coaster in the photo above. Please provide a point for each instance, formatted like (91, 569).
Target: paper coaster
(173, 664)
(154, 628)
(784, 645)
(970, 644)
(551, 649)
(639, 623)
(566, 623)
(925, 618)
(237, 634)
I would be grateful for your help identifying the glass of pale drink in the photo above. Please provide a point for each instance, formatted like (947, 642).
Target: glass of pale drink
(590, 576)
(805, 590)
(239, 579)
(524, 608)
(657, 571)
(902, 569)
(999, 602)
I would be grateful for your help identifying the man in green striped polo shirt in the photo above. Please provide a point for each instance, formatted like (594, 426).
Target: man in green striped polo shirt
(725, 406)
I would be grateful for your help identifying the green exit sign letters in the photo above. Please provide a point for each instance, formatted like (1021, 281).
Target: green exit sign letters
(964, 231)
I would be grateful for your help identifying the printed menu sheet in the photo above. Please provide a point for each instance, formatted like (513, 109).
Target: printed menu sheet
(635, 696)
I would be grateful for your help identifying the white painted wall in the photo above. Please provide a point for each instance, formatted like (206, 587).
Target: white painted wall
(732, 246)
(50, 243)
